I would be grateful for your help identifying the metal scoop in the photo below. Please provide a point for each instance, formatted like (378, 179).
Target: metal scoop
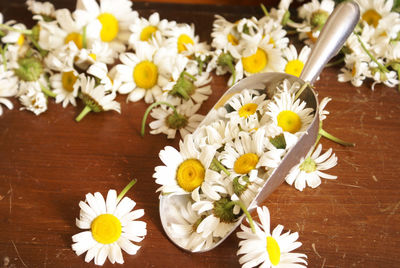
(337, 29)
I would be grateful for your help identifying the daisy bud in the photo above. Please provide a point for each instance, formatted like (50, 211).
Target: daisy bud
(30, 69)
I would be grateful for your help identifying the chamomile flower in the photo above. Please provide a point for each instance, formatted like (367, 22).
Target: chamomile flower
(225, 34)
(109, 21)
(96, 98)
(309, 171)
(247, 187)
(9, 88)
(355, 70)
(322, 111)
(65, 85)
(41, 10)
(216, 133)
(291, 115)
(182, 39)
(183, 118)
(32, 98)
(372, 11)
(268, 249)
(184, 170)
(279, 13)
(144, 74)
(111, 226)
(294, 62)
(98, 52)
(276, 33)
(144, 30)
(100, 71)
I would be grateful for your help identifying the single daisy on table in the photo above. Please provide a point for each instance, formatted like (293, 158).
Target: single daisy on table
(144, 73)
(268, 249)
(65, 85)
(294, 62)
(109, 21)
(310, 169)
(184, 170)
(291, 115)
(111, 225)
(96, 98)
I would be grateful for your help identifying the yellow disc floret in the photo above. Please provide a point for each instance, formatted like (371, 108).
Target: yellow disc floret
(21, 40)
(371, 17)
(106, 229)
(147, 32)
(255, 63)
(274, 251)
(145, 74)
(68, 80)
(109, 27)
(190, 174)
(289, 121)
(183, 40)
(74, 37)
(294, 67)
(245, 163)
(232, 39)
(248, 109)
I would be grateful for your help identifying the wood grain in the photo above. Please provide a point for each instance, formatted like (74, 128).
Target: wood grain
(49, 162)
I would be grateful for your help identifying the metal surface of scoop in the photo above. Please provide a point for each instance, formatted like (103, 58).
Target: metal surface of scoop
(332, 37)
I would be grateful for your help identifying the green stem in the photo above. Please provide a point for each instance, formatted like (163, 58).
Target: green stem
(334, 63)
(381, 67)
(220, 166)
(190, 76)
(84, 112)
(146, 113)
(264, 10)
(9, 28)
(126, 189)
(246, 212)
(233, 71)
(325, 134)
(38, 47)
(303, 87)
(84, 40)
(47, 91)
(3, 56)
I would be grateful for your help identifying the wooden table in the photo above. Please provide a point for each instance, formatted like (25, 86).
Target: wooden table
(49, 162)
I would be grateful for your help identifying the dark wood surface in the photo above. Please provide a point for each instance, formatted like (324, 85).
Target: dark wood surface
(49, 162)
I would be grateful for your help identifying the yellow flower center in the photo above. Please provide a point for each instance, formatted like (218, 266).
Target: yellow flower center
(255, 63)
(68, 80)
(74, 37)
(289, 121)
(184, 39)
(106, 229)
(272, 42)
(232, 39)
(371, 17)
(145, 74)
(147, 32)
(93, 56)
(110, 27)
(245, 163)
(353, 70)
(274, 252)
(294, 67)
(21, 40)
(311, 36)
(190, 174)
(248, 109)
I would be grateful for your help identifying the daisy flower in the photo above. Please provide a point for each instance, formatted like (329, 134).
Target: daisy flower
(372, 11)
(268, 249)
(216, 133)
(355, 69)
(276, 33)
(31, 97)
(96, 98)
(225, 34)
(247, 187)
(111, 226)
(109, 21)
(294, 62)
(289, 114)
(9, 87)
(184, 170)
(309, 170)
(169, 120)
(100, 71)
(144, 74)
(182, 39)
(65, 85)
(98, 52)
(41, 10)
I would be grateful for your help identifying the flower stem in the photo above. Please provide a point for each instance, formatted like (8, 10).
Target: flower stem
(264, 10)
(126, 189)
(233, 71)
(47, 91)
(220, 166)
(190, 76)
(9, 28)
(303, 87)
(334, 63)
(84, 40)
(146, 113)
(84, 112)
(381, 67)
(246, 212)
(325, 134)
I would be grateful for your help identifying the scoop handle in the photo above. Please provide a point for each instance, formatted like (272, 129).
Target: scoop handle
(333, 35)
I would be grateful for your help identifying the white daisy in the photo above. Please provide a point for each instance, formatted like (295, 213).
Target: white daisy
(355, 70)
(31, 97)
(268, 249)
(276, 33)
(100, 71)
(9, 88)
(96, 98)
(289, 114)
(109, 21)
(144, 74)
(216, 133)
(294, 62)
(247, 187)
(322, 112)
(372, 11)
(184, 170)
(309, 170)
(113, 226)
(225, 35)
(279, 13)
(43, 9)
(182, 39)
(65, 85)
(168, 121)
(98, 52)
